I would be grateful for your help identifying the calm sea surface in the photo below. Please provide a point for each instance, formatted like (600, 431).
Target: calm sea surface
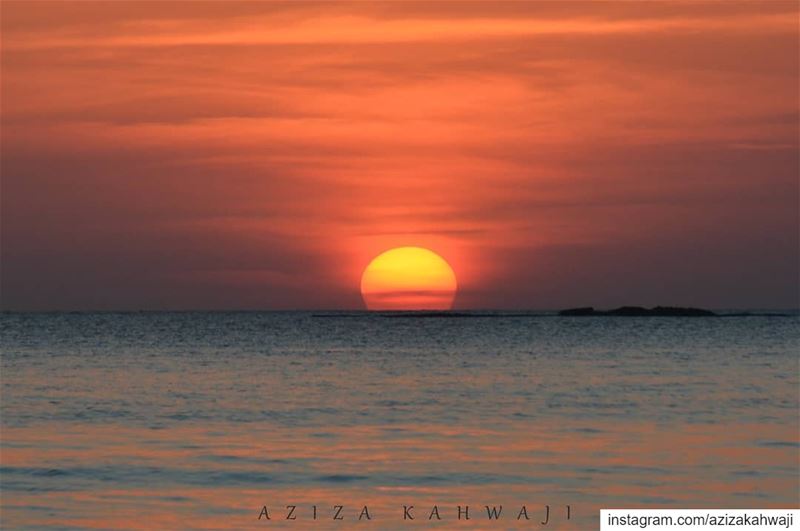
(198, 420)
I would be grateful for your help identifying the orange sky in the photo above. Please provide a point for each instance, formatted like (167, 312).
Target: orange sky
(258, 155)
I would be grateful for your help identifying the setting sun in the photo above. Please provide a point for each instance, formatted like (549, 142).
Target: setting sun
(408, 278)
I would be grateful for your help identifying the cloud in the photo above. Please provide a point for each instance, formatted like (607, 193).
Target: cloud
(205, 152)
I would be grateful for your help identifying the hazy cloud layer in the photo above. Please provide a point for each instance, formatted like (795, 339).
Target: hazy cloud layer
(257, 155)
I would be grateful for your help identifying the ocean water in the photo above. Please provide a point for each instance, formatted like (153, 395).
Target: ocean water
(200, 420)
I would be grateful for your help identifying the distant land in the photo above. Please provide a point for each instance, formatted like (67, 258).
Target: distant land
(638, 311)
(587, 311)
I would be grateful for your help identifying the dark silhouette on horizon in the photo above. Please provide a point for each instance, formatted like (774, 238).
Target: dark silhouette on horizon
(638, 311)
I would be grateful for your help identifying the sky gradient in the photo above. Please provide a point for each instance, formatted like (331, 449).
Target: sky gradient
(259, 155)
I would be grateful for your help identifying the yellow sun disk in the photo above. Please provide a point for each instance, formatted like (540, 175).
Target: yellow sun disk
(408, 278)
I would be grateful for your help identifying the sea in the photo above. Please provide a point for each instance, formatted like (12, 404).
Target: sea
(309, 420)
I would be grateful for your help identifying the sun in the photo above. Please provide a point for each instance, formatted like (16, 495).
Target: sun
(408, 278)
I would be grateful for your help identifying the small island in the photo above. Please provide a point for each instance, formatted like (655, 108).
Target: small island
(638, 311)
